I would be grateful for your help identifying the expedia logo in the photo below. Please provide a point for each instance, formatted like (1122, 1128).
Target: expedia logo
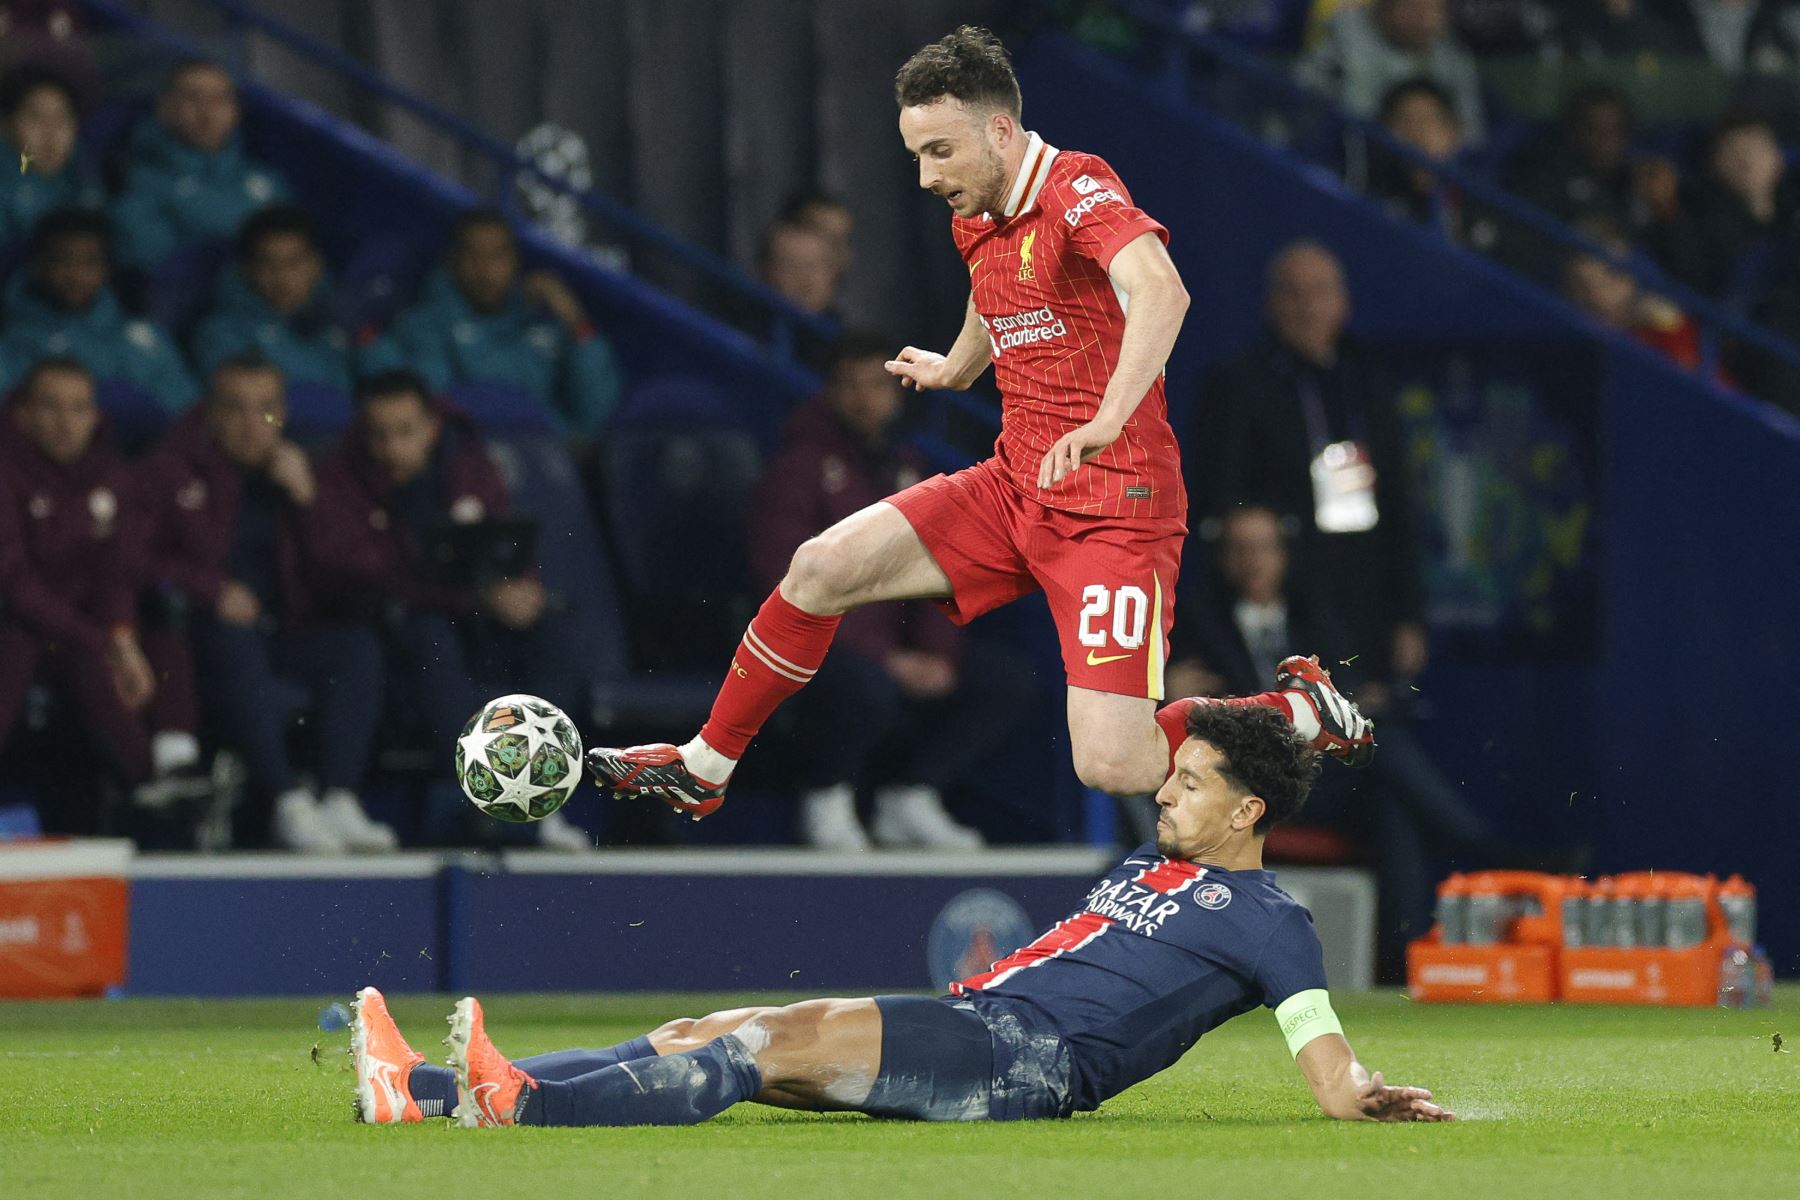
(1088, 203)
(1212, 895)
(975, 930)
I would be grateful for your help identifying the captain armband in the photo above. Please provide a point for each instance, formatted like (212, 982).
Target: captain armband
(1304, 1016)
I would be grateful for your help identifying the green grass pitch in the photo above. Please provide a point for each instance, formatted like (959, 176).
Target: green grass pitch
(196, 1099)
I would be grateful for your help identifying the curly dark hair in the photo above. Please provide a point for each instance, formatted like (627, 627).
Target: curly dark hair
(1259, 754)
(970, 65)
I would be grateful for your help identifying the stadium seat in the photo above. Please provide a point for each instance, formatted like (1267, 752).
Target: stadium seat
(317, 412)
(137, 419)
(499, 409)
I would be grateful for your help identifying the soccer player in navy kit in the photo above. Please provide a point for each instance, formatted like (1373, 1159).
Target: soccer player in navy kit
(1182, 936)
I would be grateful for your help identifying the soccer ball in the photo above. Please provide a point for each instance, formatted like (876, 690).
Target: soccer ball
(519, 758)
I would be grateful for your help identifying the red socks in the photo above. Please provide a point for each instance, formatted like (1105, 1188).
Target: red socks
(1173, 716)
(779, 655)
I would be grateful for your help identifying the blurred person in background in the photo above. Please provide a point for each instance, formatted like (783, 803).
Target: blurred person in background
(409, 467)
(1419, 112)
(1232, 635)
(65, 305)
(190, 179)
(41, 118)
(1741, 206)
(1303, 422)
(277, 304)
(827, 215)
(1603, 288)
(1587, 166)
(1368, 49)
(904, 704)
(482, 320)
(1773, 378)
(69, 569)
(224, 493)
(1740, 36)
(804, 262)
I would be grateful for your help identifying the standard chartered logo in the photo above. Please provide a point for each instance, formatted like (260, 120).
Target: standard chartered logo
(1024, 328)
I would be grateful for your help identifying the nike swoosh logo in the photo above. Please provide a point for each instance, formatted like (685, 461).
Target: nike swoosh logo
(484, 1103)
(1096, 662)
(975, 264)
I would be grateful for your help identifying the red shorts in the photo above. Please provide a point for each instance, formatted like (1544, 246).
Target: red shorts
(1110, 580)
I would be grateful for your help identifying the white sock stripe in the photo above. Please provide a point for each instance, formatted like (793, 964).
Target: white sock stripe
(769, 662)
(772, 658)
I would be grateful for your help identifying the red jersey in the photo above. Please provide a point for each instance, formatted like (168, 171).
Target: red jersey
(1054, 321)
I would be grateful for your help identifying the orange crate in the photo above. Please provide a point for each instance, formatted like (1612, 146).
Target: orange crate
(1616, 975)
(1499, 974)
(63, 914)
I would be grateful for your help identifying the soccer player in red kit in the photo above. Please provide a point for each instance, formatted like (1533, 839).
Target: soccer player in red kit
(1075, 302)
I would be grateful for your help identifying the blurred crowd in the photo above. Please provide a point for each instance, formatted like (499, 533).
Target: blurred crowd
(1658, 130)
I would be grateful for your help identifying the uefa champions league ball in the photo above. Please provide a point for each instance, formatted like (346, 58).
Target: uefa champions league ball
(519, 758)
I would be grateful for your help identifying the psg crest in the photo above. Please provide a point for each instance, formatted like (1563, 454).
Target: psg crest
(1212, 895)
(975, 930)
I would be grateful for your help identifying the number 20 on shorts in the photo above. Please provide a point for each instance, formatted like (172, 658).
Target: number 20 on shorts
(1130, 609)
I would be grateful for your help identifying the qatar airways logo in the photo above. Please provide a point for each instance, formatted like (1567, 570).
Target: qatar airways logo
(1136, 907)
(1024, 329)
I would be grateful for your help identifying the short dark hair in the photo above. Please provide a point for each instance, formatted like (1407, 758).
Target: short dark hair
(477, 218)
(60, 223)
(1590, 96)
(801, 203)
(248, 360)
(187, 66)
(970, 65)
(274, 221)
(1258, 753)
(397, 382)
(53, 362)
(27, 78)
(1419, 85)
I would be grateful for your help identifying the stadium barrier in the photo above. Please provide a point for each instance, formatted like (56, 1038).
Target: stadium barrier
(644, 920)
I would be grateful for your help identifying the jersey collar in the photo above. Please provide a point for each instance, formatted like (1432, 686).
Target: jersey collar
(1039, 154)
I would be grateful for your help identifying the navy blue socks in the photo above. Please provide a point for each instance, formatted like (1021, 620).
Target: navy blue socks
(680, 1089)
(434, 1087)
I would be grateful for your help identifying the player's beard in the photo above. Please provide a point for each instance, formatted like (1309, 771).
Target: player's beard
(992, 185)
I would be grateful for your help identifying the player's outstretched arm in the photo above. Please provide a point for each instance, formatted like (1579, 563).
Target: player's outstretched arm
(1347, 1092)
(923, 370)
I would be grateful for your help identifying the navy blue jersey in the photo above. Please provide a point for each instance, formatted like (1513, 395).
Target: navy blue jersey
(1162, 950)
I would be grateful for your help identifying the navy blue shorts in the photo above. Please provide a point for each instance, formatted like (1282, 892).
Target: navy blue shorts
(952, 1060)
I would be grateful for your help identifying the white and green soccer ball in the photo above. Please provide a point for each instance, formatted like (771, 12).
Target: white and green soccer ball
(519, 758)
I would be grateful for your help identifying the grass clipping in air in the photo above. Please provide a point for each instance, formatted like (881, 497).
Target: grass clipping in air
(193, 1099)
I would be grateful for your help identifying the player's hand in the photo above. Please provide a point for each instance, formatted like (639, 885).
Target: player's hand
(516, 603)
(923, 370)
(1379, 1102)
(291, 471)
(237, 604)
(1074, 448)
(546, 289)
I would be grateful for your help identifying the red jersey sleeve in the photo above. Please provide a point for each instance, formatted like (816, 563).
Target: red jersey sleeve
(1095, 211)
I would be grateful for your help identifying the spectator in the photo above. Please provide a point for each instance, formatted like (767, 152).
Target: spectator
(805, 265)
(903, 705)
(1496, 28)
(1735, 215)
(1606, 290)
(1589, 168)
(1773, 378)
(42, 122)
(225, 492)
(190, 180)
(1303, 423)
(1741, 36)
(68, 575)
(1367, 50)
(1622, 29)
(65, 306)
(829, 216)
(1228, 644)
(277, 304)
(410, 467)
(480, 321)
(1419, 113)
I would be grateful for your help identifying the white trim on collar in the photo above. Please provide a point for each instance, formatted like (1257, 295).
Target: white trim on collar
(1033, 171)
